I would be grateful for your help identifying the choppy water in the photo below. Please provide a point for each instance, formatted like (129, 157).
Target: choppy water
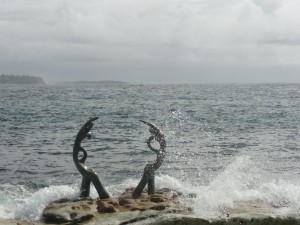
(225, 142)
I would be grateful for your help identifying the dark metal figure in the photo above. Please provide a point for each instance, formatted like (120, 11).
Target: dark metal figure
(149, 170)
(88, 175)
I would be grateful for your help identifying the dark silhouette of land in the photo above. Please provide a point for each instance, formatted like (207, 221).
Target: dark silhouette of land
(20, 79)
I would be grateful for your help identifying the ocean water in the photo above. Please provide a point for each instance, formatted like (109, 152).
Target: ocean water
(225, 143)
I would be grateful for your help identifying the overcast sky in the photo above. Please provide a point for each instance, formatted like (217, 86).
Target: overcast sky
(153, 41)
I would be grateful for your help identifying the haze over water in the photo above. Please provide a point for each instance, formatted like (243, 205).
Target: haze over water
(225, 142)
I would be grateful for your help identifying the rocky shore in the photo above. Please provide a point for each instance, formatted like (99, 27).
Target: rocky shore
(162, 208)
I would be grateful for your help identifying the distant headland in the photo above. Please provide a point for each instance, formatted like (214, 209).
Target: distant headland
(20, 79)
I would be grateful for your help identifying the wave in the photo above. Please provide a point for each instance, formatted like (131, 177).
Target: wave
(240, 181)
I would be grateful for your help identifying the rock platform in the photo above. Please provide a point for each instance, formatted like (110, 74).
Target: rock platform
(85, 209)
(162, 208)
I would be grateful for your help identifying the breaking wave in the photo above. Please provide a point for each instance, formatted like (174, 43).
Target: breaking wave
(240, 181)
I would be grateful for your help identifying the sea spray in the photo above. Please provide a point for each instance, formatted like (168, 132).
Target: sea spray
(282, 194)
(33, 206)
(241, 181)
(236, 183)
(10, 196)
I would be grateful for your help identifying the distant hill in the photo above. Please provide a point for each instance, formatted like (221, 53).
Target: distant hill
(20, 79)
(109, 82)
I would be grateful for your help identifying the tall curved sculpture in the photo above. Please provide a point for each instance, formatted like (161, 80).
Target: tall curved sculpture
(149, 170)
(88, 175)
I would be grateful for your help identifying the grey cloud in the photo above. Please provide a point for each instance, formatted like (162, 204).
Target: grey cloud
(268, 6)
(109, 37)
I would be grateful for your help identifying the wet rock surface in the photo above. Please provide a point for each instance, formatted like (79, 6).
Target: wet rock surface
(84, 209)
(163, 199)
(65, 210)
(161, 208)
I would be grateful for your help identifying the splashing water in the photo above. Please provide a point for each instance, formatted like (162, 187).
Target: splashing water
(238, 182)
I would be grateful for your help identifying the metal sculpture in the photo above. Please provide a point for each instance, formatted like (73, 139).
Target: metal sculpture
(88, 175)
(149, 170)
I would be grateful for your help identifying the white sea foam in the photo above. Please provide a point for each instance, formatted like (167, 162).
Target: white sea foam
(33, 206)
(10, 196)
(240, 181)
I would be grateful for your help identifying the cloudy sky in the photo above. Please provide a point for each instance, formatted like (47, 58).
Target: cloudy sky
(152, 41)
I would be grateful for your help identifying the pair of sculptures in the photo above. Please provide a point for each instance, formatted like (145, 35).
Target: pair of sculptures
(89, 176)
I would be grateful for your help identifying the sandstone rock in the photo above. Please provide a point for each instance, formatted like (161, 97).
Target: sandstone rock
(65, 210)
(162, 208)
(163, 199)
(84, 209)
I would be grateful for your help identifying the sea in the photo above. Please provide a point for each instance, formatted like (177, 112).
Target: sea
(225, 143)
